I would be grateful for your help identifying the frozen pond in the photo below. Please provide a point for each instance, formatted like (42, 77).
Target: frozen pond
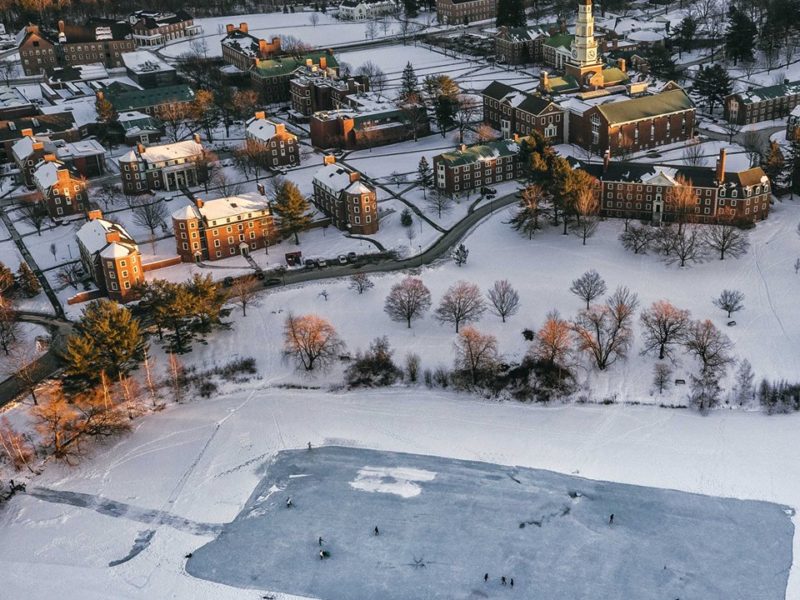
(461, 519)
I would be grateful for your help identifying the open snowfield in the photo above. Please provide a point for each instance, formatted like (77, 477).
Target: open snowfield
(460, 519)
(184, 473)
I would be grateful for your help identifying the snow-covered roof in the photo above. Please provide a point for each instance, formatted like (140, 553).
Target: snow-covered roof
(10, 98)
(795, 111)
(166, 152)
(231, 206)
(261, 129)
(335, 177)
(46, 173)
(115, 250)
(22, 148)
(143, 61)
(81, 148)
(187, 212)
(83, 112)
(645, 35)
(358, 187)
(92, 235)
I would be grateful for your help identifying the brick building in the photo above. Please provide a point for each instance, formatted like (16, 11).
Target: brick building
(514, 111)
(643, 191)
(519, 45)
(99, 41)
(471, 168)
(627, 124)
(271, 76)
(223, 227)
(316, 91)
(139, 128)
(351, 204)
(370, 121)
(86, 156)
(56, 126)
(148, 70)
(461, 12)
(111, 257)
(762, 104)
(275, 146)
(240, 48)
(155, 102)
(62, 189)
(152, 28)
(166, 167)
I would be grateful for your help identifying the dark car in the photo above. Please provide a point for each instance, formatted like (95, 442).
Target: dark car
(228, 281)
(352, 257)
(260, 275)
(310, 263)
(272, 281)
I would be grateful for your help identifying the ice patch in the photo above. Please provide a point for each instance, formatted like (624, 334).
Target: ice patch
(389, 480)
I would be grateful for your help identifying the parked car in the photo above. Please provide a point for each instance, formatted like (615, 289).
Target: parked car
(322, 263)
(352, 257)
(310, 263)
(342, 259)
(272, 281)
(228, 281)
(260, 275)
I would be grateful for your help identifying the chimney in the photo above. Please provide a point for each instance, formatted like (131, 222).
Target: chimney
(196, 137)
(33, 29)
(38, 146)
(280, 128)
(61, 27)
(721, 165)
(262, 46)
(243, 27)
(276, 43)
(94, 214)
(198, 202)
(515, 137)
(462, 148)
(329, 159)
(140, 148)
(229, 28)
(323, 63)
(27, 132)
(606, 159)
(544, 81)
(260, 114)
(49, 157)
(309, 62)
(112, 236)
(354, 176)
(621, 64)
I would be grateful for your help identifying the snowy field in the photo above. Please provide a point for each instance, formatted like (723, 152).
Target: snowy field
(458, 519)
(184, 473)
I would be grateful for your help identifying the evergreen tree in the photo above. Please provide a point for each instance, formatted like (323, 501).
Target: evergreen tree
(410, 8)
(685, 33)
(107, 340)
(207, 302)
(511, 13)
(27, 281)
(446, 110)
(740, 36)
(424, 175)
(408, 82)
(292, 210)
(460, 254)
(406, 220)
(661, 64)
(775, 167)
(712, 83)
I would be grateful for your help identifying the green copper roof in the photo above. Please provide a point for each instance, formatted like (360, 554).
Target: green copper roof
(613, 75)
(560, 40)
(563, 84)
(490, 150)
(646, 106)
(770, 92)
(273, 67)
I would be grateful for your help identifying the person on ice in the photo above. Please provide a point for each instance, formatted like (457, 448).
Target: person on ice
(289, 502)
(611, 519)
(309, 445)
(486, 577)
(376, 530)
(512, 582)
(320, 540)
(503, 580)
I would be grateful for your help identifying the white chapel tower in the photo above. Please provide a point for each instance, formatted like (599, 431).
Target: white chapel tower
(585, 64)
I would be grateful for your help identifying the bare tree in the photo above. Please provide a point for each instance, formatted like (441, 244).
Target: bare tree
(9, 327)
(553, 342)
(588, 286)
(531, 212)
(374, 74)
(361, 283)
(173, 117)
(664, 240)
(662, 372)
(753, 146)
(18, 449)
(637, 238)
(687, 247)
(313, 18)
(732, 128)
(408, 300)
(504, 299)
(33, 214)
(730, 301)
(709, 345)
(663, 327)
(681, 201)
(150, 215)
(414, 113)
(227, 186)
(176, 373)
(311, 341)
(586, 208)
(68, 275)
(693, 155)
(467, 111)
(22, 363)
(476, 352)
(440, 202)
(601, 337)
(462, 303)
(726, 239)
(243, 292)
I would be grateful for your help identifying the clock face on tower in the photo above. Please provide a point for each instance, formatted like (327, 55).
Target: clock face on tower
(591, 54)
(574, 53)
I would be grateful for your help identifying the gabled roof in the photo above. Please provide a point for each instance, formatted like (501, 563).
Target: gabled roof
(644, 107)
(528, 102)
(488, 151)
(787, 88)
(92, 236)
(45, 174)
(48, 123)
(335, 176)
(639, 172)
(165, 152)
(522, 34)
(272, 67)
(261, 129)
(135, 99)
(143, 61)
(560, 40)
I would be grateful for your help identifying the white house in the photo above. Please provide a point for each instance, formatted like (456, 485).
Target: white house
(360, 10)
